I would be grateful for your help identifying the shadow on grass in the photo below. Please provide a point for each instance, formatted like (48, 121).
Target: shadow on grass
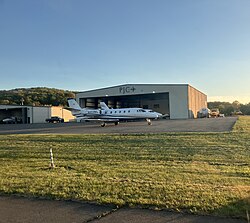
(238, 209)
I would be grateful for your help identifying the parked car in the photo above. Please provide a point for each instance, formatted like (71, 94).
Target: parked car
(11, 120)
(203, 113)
(237, 113)
(215, 113)
(54, 119)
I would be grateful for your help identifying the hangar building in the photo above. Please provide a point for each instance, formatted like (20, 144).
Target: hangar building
(33, 114)
(176, 101)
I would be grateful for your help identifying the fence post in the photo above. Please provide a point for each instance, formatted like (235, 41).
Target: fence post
(52, 165)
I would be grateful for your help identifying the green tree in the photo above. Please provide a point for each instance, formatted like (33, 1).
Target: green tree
(4, 102)
(36, 96)
(236, 105)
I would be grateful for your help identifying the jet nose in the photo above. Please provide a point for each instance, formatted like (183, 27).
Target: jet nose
(158, 115)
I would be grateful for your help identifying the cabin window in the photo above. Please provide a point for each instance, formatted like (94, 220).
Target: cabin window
(128, 111)
(111, 112)
(120, 111)
(115, 111)
(124, 111)
(106, 112)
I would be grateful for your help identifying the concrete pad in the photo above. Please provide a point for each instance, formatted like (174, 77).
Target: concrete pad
(128, 215)
(28, 210)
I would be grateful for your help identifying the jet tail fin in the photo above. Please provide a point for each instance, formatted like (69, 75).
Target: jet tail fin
(73, 104)
(104, 106)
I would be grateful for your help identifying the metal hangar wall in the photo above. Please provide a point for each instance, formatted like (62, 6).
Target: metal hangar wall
(176, 101)
(34, 114)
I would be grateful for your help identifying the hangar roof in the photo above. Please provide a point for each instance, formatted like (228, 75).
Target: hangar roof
(124, 85)
(23, 106)
(133, 89)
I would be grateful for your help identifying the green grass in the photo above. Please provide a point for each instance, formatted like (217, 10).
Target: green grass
(206, 173)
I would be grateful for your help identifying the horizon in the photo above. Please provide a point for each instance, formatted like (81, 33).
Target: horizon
(82, 45)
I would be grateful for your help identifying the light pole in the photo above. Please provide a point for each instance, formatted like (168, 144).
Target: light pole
(22, 100)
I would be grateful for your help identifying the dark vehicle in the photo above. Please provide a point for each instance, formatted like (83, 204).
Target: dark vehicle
(54, 119)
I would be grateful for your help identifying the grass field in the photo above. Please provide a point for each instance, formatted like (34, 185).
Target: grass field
(195, 172)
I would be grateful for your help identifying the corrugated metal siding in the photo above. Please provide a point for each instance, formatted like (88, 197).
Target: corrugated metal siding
(196, 101)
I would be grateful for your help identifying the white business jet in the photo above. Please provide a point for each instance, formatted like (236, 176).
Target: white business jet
(106, 114)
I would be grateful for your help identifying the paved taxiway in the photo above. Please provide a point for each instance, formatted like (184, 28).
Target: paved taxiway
(158, 126)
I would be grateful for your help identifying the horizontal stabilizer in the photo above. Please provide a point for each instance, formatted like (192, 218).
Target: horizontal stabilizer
(73, 109)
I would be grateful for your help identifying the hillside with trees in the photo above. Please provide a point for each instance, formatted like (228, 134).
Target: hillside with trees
(39, 96)
(42, 96)
(230, 108)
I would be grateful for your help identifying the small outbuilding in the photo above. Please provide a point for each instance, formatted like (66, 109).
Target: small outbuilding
(175, 101)
(33, 114)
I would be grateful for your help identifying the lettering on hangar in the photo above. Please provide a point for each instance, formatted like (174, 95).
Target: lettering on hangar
(124, 90)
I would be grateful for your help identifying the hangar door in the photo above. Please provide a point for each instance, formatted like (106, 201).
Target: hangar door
(19, 113)
(156, 101)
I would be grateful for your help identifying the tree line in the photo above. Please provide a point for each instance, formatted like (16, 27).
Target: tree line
(230, 108)
(42, 96)
(39, 96)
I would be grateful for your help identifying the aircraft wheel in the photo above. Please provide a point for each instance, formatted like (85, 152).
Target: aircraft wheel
(116, 123)
(149, 122)
(103, 124)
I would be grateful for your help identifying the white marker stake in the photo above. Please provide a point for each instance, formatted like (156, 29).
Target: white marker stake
(52, 165)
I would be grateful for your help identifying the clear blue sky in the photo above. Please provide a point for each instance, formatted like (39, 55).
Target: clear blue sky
(88, 44)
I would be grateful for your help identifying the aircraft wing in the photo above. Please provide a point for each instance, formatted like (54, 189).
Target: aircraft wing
(97, 120)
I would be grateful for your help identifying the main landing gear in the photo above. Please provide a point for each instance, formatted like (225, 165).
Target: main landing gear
(149, 121)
